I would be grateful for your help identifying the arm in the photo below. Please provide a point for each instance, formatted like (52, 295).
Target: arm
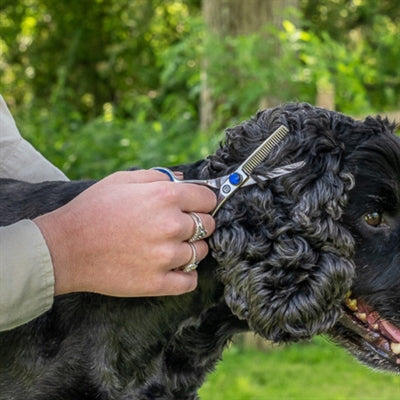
(26, 271)
(124, 236)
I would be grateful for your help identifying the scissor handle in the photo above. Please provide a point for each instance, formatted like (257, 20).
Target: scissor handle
(167, 172)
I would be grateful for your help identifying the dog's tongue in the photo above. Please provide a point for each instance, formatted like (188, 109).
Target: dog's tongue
(391, 331)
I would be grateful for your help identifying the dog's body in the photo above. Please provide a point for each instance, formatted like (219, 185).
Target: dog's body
(283, 257)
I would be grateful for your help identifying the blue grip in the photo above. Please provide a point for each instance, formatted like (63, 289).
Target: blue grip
(167, 172)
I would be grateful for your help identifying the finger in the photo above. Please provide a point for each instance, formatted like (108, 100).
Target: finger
(195, 252)
(192, 197)
(138, 176)
(179, 282)
(173, 257)
(197, 198)
(178, 174)
(206, 220)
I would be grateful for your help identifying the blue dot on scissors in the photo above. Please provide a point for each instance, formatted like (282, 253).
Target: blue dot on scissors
(235, 178)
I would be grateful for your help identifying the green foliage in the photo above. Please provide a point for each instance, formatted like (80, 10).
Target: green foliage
(86, 53)
(122, 83)
(294, 63)
(106, 143)
(106, 84)
(339, 17)
(316, 370)
(361, 71)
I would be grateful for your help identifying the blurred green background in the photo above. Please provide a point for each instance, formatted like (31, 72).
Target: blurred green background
(101, 85)
(316, 370)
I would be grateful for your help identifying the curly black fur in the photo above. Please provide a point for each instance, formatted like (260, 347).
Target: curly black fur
(304, 268)
(283, 257)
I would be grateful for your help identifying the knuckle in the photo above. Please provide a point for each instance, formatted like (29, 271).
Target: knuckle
(167, 256)
(169, 192)
(172, 228)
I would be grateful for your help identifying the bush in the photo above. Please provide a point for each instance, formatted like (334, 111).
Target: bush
(105, 144)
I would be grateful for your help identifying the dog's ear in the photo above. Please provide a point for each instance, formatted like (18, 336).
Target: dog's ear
(284, 257)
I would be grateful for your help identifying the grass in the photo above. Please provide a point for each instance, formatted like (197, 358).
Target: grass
(318, 370)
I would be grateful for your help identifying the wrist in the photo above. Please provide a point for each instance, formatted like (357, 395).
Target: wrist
(52, 230)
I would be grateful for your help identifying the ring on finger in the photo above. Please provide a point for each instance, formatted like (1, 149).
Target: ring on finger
(192, 265)
(200, 232)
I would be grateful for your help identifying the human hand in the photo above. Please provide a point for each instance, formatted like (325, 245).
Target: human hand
(127, 235)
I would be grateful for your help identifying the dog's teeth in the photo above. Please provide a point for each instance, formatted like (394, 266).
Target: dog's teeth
(375, 326)
(361, 316)
(395, 347)
(352, 304)
(373, 318)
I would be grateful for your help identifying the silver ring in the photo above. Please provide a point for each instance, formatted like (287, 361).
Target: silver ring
(192, 265)
(200, 232)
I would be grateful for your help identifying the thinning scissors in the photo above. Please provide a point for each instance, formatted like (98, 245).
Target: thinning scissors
(241, 177)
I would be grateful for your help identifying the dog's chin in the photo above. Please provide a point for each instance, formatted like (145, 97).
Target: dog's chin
(370, 338)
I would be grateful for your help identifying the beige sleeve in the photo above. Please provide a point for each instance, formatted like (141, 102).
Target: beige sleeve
(18, 158)
(26, 270)
(26, 274)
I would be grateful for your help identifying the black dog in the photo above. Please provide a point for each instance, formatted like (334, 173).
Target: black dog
(284, 257)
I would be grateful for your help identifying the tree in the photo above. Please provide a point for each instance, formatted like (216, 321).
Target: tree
(232, 18)
(85, 53)
(368, 24)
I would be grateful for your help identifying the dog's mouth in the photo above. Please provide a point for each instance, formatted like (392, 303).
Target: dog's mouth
(370, 337)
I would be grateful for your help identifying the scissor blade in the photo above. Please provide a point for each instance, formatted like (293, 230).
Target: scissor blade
(275, 173)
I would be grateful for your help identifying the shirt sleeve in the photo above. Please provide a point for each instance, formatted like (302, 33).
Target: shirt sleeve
(26, 270)
(26, 274)
(18, 158)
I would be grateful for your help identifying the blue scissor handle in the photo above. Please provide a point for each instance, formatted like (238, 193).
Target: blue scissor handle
(167, 172)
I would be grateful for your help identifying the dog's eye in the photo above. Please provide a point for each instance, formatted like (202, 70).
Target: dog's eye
(374, 219)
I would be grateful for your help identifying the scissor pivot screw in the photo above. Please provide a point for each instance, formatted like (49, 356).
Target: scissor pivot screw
(235, 178)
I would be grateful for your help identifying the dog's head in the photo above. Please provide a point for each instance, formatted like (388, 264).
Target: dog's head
(290, 249)
(370, 326)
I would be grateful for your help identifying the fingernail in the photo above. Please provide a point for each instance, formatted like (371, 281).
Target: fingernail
(178, 174)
